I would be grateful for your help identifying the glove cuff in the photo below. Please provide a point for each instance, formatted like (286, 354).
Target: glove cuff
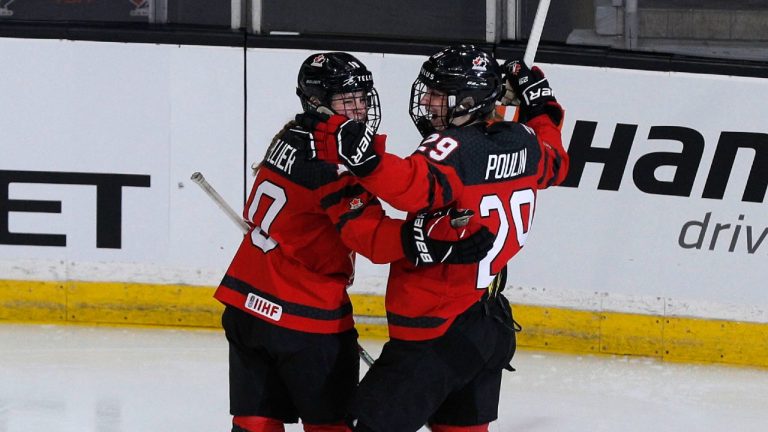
(413, 237)
(552, 109)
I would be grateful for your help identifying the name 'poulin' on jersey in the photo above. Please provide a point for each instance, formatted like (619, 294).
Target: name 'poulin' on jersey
(505, 165)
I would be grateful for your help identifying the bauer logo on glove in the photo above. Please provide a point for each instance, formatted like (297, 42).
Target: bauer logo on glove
(446, 236)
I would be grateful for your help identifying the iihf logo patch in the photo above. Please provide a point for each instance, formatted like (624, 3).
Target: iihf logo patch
(263, 307)
(355, 204)
(479, 63)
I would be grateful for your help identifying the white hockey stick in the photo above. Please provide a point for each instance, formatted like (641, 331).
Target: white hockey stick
(198, 178)
(536, 30)
(510, 98)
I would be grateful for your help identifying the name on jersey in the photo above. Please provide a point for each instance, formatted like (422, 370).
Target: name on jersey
(505, 165)
(263, 307)
(282, 155)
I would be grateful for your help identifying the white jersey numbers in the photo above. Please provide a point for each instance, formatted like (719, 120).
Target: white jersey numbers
(444, 147)
(260, 234)
(518, 201)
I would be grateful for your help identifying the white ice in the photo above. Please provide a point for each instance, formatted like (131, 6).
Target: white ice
(104, 379)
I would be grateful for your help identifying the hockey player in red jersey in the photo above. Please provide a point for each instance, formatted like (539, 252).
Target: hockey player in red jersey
(293, 349)
(451, 331)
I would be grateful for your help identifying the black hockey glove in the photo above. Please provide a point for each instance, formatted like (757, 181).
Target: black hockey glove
(532, 90)
(338, 139)
(446, 236)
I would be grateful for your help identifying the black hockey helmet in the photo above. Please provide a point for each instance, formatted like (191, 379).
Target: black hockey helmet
(324, 76)
(471, 80)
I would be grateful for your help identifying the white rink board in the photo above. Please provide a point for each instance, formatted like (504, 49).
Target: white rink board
(152, 110)
(167, 111)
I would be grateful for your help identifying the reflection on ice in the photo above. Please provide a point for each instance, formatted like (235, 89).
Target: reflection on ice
(104, 379)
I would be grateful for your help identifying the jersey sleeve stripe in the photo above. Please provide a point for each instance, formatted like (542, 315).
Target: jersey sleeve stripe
(556, 164)
(441, 179)
(335, 197)
(543, 176)
(352, 214)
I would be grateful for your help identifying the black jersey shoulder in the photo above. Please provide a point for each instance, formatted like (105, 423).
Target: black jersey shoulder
(489, 153)
(289, 156)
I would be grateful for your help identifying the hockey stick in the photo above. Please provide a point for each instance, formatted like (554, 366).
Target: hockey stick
(536, 30)
(510, 98)
(200, 180)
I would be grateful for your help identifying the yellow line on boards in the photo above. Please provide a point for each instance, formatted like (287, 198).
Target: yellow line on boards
(567, 330)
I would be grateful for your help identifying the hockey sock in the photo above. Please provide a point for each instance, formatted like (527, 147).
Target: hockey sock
(256, 424)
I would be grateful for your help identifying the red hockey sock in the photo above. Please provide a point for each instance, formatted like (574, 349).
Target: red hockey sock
(256, 424)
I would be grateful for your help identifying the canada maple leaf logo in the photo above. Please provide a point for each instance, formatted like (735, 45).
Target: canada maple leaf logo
(479, 62)
(318, 60)
(355, 204)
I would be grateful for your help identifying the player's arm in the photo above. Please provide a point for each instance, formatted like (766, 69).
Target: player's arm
(540, 110)
(411, 184)
(360, 220)
(448, 236)
(554, 157)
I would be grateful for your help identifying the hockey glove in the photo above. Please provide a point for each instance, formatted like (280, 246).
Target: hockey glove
(446, 236)
(532, 90)
(337, 139)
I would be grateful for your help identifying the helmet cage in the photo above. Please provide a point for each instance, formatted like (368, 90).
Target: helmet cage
(324, 76)
(427, 117)
(471, 93)
(371, 100)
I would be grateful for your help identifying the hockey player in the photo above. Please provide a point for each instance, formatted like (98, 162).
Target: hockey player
(451, 331)
(293, 349)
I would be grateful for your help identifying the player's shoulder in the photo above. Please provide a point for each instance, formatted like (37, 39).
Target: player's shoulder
(295, 135)
(290, 155)
(504, 129)
(483, 135)
(460, 133)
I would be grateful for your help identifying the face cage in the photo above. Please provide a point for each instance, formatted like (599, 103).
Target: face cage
(373, 107)
(427, 121)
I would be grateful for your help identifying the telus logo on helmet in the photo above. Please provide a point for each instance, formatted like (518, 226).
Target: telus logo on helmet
(427, 74)
(350, 81)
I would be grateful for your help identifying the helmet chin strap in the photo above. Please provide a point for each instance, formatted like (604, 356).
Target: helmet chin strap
(467, 120)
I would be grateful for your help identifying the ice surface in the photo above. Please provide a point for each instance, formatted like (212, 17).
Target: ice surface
(105, 379)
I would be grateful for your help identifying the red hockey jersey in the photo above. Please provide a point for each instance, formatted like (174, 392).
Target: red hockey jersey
(307, 219)
(495, 170)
